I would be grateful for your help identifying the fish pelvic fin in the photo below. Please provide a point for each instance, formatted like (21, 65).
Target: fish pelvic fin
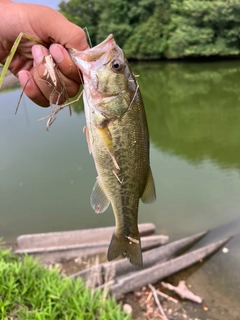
(98, 199)
(126, 246)
(149, 193)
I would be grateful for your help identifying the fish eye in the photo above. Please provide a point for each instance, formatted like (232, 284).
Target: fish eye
(117, 65)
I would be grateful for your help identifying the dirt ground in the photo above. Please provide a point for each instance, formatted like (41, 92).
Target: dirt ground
(142, 304)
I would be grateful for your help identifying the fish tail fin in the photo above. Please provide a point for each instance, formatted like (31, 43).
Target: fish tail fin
(126, 246)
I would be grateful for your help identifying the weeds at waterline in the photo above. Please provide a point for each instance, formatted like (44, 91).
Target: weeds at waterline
(29, 291)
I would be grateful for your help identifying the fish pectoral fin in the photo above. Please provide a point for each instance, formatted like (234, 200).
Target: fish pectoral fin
(107, 141)
(149, 193)
(85, 129)
(98, 199)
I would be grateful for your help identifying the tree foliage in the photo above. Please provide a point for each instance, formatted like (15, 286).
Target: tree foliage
(149, 29)
(204, 28)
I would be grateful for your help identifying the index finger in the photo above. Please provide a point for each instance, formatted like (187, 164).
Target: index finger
(60, 31)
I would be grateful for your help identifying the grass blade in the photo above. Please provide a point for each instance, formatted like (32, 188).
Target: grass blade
(12, 52)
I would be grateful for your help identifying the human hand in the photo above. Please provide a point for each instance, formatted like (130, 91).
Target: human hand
(56, 32)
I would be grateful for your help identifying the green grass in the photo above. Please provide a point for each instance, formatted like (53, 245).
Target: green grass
(12, 52)
(28, 291)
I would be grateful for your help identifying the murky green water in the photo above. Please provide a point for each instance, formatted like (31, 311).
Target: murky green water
(194, 120)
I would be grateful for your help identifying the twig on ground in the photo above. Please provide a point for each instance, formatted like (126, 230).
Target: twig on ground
(149, 297)
(164, 295)
(158, 302)
(183, 291)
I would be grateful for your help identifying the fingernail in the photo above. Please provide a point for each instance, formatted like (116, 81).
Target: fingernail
(57, 53)
(38, 53)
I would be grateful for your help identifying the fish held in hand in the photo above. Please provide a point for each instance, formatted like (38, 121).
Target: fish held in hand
(118, 138)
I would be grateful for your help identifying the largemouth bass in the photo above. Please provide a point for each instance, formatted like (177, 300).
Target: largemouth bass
(118, 138)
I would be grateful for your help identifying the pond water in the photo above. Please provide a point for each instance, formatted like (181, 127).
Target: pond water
(193, 111)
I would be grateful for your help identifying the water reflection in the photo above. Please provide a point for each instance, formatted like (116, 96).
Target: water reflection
(194, 110)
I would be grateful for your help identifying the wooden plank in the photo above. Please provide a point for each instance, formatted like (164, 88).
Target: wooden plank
(153, 274)
(120, 267)
(67, 238)
(56, 254)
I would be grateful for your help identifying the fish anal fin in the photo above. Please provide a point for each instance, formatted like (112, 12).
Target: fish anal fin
(149, 193)
(98, 199)
(127, 246)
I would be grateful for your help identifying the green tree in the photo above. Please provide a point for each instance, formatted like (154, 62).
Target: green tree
(150, 29)
(134, 24)
(149, 38)
(204, 28)
(114, 19)
(84, 14)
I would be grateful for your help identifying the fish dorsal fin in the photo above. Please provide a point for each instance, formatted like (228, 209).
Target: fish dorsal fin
(99, 201)
(149, 193)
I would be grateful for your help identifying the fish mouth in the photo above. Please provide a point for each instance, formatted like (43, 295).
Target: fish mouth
(96, 55)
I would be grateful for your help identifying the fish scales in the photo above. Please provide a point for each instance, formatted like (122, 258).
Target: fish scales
(118, 138)
(131, 153)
